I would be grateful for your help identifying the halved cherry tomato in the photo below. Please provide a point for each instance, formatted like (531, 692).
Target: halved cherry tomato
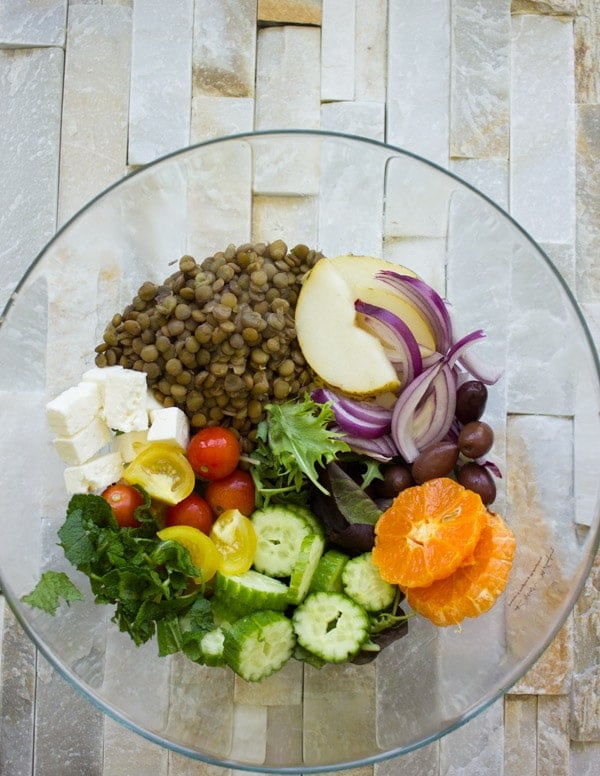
(163, 471)
(203, 553)
(235, 539)
(194, 511)
(124, 500)
(213, 452)
(236, 491)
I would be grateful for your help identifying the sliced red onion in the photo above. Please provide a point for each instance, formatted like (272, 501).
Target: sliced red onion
(443, 394)
(407, 405)
(398, 340)
(427, 301)
(489, 374)
(381, 449)
(495, 470)
(359, 418)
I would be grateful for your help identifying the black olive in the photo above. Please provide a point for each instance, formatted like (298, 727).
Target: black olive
(475, 439)
(477, 478)
(471, 399)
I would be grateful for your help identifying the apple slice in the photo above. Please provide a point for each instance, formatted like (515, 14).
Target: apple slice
(340, 352)
(359, 273)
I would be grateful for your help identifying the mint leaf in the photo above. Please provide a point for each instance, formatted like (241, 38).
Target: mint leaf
(52, 587)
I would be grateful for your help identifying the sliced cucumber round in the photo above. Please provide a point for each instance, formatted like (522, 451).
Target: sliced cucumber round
(279, 534)
(363, 583)
(259, 644)
(331, 626)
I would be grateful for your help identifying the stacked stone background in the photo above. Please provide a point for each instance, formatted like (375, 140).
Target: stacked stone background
(507, 95)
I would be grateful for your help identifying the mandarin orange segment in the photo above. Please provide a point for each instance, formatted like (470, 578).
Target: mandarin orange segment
(427, 532)
(472, 589)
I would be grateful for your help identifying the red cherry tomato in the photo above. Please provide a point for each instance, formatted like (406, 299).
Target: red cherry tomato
(236, 491)
(194, 511)
(124, 500)
(213, 452)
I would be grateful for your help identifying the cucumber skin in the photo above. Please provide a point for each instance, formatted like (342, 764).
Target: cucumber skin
(328, 574)
(311, 551)
(246, 636)
(242, 597)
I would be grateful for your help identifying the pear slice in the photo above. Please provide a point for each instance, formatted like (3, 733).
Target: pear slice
(359, 273)
(340, 352)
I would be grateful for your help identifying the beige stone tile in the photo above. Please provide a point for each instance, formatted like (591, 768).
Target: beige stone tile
(281, 689)
(30, 106)
(489, 176)
(419, 762)
(418, 77)
(161, 74)
(370, 50)
(542, 127)
(479, 111)
(560, 7)
(366, 119)
(290, 11)
(584, 758)
(224, 48)
(553, 735)
(30, 23)
(476, 747)
(520, 735)
(284, 734)
(121, 746)
(292, 219)
(249, 734)
(588, 197)
(587, 52)
(95, 104)
(219, 116)
(585, 705)
(552, 673)
(337, 50)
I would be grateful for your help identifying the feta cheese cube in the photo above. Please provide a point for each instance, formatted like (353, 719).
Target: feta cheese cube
(152, 403)
(99, 376)
(125, 397)
(129, 444)
(170, 425)
(94, 475)
(83, 445)
(73, 409)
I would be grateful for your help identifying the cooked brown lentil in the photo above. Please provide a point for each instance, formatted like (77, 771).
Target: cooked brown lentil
(217, 339)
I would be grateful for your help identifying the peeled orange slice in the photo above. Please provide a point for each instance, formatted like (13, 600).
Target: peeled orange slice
(427, 532)
(476, 585)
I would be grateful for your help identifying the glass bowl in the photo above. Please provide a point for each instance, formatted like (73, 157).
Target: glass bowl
(339, 194)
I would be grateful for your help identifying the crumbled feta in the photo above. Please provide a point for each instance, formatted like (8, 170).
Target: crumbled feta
(83, 445)
(73, 409)
(129, 444)
(125, 397)
(94, 475)
(170, 425)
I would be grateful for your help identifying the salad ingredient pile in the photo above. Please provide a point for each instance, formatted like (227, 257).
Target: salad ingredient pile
(244, 523)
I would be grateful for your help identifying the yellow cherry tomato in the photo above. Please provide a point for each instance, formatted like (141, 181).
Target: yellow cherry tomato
(203, 552)
(163, 471)
(235, 539)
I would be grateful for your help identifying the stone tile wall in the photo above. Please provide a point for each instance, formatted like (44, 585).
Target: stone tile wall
(505, 94)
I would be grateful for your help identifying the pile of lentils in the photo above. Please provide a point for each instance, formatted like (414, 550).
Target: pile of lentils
(217, 339)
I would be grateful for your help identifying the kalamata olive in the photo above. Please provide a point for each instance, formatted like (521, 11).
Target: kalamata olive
(435, 460)
(477, 478)
(471, 399)
(475, 439)
(396, 478)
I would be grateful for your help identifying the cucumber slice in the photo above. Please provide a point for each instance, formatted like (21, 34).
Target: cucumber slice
(259, 644)
(328, 574)
(211, 645)
(311, 551)
(251, 591)
(331, 626)
(363, 583)
(313, 521)
(279, 534)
